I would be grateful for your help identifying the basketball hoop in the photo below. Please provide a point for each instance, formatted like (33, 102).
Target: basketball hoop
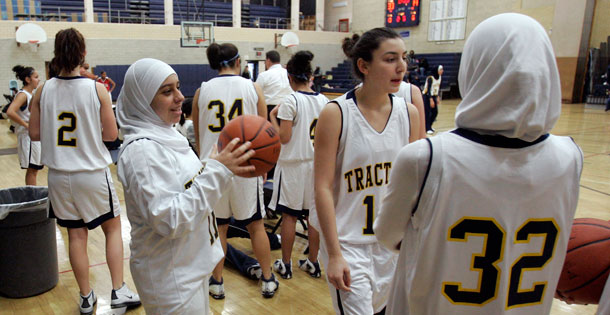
(200, 40)
(31, 34)
(289, 39)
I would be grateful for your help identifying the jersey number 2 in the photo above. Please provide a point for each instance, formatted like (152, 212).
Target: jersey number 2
(61, 137)
(236, 110)
(493, 250)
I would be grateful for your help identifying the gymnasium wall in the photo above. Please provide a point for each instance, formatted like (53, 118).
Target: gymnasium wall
(335, 10)
(122, 44)
(601, 28)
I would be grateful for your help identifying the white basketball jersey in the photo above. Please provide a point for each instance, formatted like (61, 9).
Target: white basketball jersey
(404, 91)
(70, 125)
(23, 112)
(490, 233)
(364, 161)
(220, 100)
(303, 109)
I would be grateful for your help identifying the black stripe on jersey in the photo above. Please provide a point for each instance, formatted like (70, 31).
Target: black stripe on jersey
(497, 141)
(308, 93)
(340, 110)
(339, 303)
(71, 78)
(421, 190)
(409, 118)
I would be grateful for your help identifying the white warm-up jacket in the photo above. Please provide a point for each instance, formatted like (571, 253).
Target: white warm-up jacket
(169, 196)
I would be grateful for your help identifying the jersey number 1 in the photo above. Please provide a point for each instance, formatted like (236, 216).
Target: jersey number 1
(61, 137)
(369, 202)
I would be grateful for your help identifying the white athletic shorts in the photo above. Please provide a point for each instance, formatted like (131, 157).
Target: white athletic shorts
(28, 151)
(242, 200)
(372, 268)
(82, 199)
(293, 188)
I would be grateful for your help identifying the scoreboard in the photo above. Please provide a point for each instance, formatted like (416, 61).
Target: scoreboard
(402, 13)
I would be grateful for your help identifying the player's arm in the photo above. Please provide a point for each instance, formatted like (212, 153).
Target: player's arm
(195, 117)
(34, 128)
(326, 142)
(113, 85)
(418, 101)
(109, 127)
(406, 179)
(414, 123)
(261, 105)
(14, 106)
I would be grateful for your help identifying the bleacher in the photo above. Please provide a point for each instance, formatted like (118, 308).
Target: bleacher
(191, 76)
(341, 78)
(268, 16)
(596, 90)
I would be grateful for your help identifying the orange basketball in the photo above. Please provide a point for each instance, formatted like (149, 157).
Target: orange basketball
(265, 141)
(587, 263)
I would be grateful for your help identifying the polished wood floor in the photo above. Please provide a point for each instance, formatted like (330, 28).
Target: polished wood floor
(590, 128)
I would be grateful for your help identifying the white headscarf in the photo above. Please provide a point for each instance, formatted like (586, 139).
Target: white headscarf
(509, 79)
(136, 117)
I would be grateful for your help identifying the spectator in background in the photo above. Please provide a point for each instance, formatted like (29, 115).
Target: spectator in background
(423, 67)
(274, 81)
(246, 73)
(317, 80)
(431, 97)
(412, 61)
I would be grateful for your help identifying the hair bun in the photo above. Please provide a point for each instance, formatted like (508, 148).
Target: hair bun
(348, 45)
(303, 56)
(18, 69)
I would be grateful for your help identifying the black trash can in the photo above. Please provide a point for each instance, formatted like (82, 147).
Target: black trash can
(28, 248)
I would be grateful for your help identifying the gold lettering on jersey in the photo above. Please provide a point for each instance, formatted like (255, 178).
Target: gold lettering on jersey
(361, 178)
(189, 183)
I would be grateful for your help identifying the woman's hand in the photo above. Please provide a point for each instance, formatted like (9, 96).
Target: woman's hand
(432, 103)
(232, 159)
(338, 273)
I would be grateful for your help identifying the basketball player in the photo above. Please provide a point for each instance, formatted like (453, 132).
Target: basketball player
(482, 214)
(431, 97)
(293, 181)
(215, 103)
(169, 194)
(71, 115)
(19, 113)
(357, 137)
(107, 82)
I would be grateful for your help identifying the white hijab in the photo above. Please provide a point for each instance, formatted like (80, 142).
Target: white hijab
(136, 117)
(509, 79)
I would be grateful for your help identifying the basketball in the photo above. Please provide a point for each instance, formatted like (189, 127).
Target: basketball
(265, 141)
(587, 263)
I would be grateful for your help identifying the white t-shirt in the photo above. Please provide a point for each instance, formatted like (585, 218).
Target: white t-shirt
(174, 238)
(275, 84)
(303, 109)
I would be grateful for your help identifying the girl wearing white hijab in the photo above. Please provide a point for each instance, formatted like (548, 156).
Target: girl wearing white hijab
(169, 193)
(481, 215)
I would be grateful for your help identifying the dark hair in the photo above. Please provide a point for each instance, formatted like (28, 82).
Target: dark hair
(69, 50)
(435, 73)
(299, 66)
(222, 56)
(273, 56)
(22, 73)
(187, 109)
(362, 47)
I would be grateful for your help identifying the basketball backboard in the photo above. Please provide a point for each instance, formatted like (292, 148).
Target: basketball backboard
(196, 34)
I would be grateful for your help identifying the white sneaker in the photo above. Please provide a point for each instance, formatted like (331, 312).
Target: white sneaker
(217, 289)
(124, 297)
(87, 303)
(313, 269)
(429, 132)
(269, 286)
(255, 272)
(285, 270)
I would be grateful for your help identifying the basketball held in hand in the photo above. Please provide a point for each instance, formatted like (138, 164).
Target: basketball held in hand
(264, 138)
(585, 270)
